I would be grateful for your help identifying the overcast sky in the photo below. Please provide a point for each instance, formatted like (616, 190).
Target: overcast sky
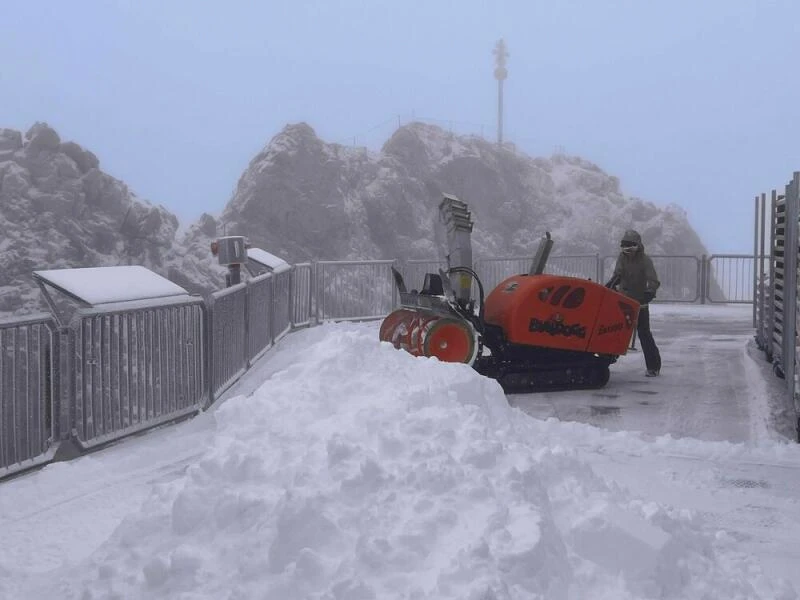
(696, 103)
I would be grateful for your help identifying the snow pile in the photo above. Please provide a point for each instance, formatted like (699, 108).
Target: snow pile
(357, 472)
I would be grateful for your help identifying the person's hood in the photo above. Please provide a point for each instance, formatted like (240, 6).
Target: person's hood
(631, 235)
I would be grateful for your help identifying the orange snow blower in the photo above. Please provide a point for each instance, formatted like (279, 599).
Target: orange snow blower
(533, 332)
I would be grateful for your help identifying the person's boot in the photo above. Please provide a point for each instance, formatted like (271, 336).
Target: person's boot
(652, 373)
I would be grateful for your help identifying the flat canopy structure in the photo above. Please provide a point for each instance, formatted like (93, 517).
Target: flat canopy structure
(264, 258)
(104, 285)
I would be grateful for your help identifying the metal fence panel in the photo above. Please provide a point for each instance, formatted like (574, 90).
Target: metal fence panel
(302, 294)
(281, 303)
(414, 271)
(135, 369)
(778, 278)
(763, 306)
(228, 310)
(354, 289)
(27, 393)
(582, 266)
(259, 315)
(494, 270)
(730, 278)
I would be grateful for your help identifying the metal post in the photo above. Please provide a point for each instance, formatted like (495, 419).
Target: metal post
(208, 311)
(761, 266)
(704, 274)
(292, 291)
(598, 268)
(500, 112)
(317, 274)
(500, 73)
(272, 309)
(790, 282)
(247, 324)
(793, 193)
(755, 258)
(772, 234)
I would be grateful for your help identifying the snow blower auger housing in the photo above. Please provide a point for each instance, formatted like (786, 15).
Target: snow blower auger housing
(533, 332)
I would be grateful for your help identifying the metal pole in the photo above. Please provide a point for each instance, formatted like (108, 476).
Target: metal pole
(704, 271)
(319, 272)
(598, 268)
(772, 233)
(500, 73)
(292, 292)
(755, 258)
(500, 112)
(793, 193)
(761, 266)
(790, 283)
(247, 364)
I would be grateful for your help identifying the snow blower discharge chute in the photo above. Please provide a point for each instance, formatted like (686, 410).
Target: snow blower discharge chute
(533, 332)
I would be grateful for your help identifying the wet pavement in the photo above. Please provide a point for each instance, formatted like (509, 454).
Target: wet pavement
(714, 384)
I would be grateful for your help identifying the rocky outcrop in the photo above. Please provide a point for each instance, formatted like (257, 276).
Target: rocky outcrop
(306, 199)
(58, 210)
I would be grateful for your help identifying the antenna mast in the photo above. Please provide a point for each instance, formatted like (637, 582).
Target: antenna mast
(500, 73)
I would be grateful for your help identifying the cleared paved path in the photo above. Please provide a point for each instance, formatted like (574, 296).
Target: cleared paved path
(715, 385)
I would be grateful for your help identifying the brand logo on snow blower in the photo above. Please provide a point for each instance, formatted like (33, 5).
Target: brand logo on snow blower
(604, 329)
(557, 327)
(511, 287)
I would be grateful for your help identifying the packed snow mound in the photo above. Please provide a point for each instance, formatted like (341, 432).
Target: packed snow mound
(408, 478)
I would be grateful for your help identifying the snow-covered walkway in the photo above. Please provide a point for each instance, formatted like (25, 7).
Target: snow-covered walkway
(342, 468)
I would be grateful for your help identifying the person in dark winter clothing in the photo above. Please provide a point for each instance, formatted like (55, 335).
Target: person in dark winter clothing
(635, 276)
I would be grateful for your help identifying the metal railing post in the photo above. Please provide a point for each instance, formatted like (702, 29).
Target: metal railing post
(292, 292)
(247, 323)
(271, 316)
(599, 269)
(317, 294)
(761, 266)
(704, 274)
(755, 258)
(772, 260)
(790, 283)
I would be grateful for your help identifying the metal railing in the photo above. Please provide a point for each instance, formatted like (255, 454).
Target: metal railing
(583, 266)
(730, 278)
(228, 344)
(281, 309)
(302, 294)
(133, 369)
(776, 313)
(260, 330)
(114, 372)
(354, 290)
(27, 388)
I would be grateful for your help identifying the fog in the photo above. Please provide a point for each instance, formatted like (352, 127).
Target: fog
(688, 103)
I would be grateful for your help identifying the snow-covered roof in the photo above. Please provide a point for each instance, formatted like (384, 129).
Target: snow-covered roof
(262, 257)
(103, 285)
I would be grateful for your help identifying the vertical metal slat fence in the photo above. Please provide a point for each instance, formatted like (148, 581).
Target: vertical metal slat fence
(135, 369)
(27, 394)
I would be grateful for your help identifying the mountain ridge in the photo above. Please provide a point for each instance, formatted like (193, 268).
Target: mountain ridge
(306, 199)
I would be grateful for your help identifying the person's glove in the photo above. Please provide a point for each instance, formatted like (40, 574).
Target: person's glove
(648, 297)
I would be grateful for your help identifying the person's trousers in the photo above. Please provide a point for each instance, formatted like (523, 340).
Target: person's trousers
(652, 357)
